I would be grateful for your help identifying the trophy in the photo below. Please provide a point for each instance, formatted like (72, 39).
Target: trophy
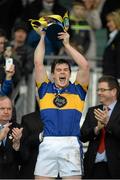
(51, 24)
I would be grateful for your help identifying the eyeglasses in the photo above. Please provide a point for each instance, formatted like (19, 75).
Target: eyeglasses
(103, 90)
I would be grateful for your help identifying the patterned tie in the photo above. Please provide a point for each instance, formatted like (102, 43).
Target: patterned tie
(101, 147)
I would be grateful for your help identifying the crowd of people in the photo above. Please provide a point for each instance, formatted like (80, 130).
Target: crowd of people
(48, 143)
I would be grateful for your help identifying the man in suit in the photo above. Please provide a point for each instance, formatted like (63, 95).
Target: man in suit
(32, 126)
(10, 134)
(101, 129)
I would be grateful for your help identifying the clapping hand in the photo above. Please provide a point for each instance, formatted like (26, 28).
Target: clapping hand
(101, 115)
(4, 131)
(16, 134)
(102, 118)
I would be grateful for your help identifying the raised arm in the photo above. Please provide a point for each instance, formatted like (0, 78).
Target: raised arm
(40, 72)
(83, 72)
(6, 87)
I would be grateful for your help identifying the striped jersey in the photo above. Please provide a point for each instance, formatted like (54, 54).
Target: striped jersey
(61, 109)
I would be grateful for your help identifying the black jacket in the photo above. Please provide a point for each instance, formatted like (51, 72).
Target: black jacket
(9, 158)
(111, 57)
(112, 141)
(32, 126)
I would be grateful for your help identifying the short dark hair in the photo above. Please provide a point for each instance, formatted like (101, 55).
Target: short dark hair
(59, 61)
(112, 83)
(20, 25)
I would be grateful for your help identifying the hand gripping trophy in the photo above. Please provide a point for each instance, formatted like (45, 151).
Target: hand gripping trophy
(52, 24)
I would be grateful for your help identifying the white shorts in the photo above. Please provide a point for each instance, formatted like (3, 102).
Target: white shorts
(59, 155)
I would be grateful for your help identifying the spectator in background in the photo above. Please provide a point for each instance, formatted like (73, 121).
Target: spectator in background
(42, 8)
(108, 6)
(10, 134)
(8, 53)
(22, 53)
(79, 27)
(3, 40)
(101, 129)
(5, 51)
(93, 18)
(33, 11)
(111, 56)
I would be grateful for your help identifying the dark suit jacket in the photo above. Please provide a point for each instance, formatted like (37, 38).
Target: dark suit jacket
(32, 126)
(111, 58)
(112, 141)
(9, 159)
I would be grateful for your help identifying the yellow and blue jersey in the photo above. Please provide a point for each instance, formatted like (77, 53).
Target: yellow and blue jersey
(61, 121)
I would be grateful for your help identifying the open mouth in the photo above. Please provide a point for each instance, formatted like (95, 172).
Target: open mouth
(62, 79)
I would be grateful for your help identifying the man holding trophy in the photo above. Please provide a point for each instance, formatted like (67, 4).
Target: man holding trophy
(61, 104)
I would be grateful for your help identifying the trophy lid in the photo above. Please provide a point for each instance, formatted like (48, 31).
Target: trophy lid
(52, 24)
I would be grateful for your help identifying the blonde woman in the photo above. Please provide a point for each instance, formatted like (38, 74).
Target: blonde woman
(111, 57)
